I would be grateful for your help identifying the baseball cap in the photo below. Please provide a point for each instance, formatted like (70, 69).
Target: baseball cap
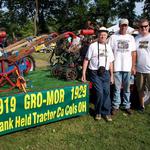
(124, 21)
(103, 29)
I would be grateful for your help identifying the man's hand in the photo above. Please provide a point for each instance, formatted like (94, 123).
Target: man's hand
(112, 79)
(83, 78)
(85, 64)
(133, 70)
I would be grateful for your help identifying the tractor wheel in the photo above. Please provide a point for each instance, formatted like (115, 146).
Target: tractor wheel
(30, 62)
(56, 70)
(71, 74)
(8, 77)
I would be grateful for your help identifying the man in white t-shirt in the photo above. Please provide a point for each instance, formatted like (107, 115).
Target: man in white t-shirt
(143, 60)
(124, 49)
(100, 57)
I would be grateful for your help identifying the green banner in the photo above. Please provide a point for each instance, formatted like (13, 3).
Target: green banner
(23, 111)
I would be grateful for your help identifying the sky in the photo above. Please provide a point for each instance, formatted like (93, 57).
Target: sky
(139, 8)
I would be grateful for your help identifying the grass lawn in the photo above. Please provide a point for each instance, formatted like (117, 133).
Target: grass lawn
(124, 133)
(80, 133)
(41, 79)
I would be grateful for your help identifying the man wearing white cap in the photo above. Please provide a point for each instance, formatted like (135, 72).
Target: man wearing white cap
(100, 57)
(124, 49)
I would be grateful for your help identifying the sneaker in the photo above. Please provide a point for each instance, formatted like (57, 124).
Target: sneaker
(114, 111)
(141, 109)
(108, 118)
(129, 111)
(98, 117)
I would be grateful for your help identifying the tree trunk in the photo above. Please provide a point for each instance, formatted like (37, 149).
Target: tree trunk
(36, 18)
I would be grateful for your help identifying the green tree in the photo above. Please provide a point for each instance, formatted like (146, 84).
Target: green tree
(125, 9)
(73, 14)
(43, 16)
(103, 10)
(21, 11)
(146, 10)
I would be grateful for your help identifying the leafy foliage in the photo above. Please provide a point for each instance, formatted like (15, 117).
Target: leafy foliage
(62, 15)
(146, 12)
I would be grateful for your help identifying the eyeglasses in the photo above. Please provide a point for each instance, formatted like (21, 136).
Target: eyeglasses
(144, 26)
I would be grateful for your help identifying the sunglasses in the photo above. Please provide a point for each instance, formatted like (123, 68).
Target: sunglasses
(144, 26)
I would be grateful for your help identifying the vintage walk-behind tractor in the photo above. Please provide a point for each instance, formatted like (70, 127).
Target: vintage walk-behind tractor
(15, 61)
(67, 57)
(68, 66)
(13, 65)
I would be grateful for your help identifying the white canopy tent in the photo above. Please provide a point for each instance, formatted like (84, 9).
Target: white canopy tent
(115, 28)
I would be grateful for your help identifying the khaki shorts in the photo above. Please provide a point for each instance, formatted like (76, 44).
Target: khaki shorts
(143, 81)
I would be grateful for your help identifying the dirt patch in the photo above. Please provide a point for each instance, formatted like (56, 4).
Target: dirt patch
(41, 59)
(41, 63)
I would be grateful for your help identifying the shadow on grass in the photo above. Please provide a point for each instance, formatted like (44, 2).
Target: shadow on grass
(134, 99)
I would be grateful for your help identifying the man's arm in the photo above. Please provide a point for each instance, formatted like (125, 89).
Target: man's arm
(85, 64)
(111, 69)
(134, 58)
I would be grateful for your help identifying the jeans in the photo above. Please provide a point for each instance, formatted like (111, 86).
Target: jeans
(101, 85)
(122, 79)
